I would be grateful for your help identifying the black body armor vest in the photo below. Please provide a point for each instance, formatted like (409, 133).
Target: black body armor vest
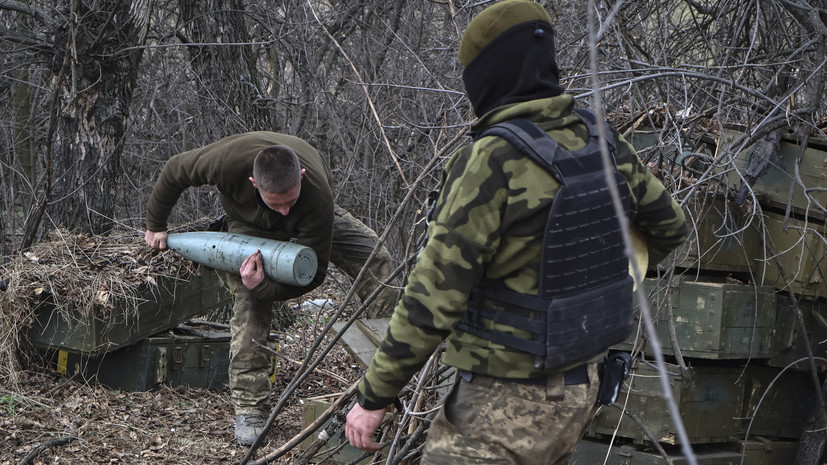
(584, 301)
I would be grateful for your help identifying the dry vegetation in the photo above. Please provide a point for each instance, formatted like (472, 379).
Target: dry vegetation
(375, 86)
(46, 418)
(76, 274)
(174, 425)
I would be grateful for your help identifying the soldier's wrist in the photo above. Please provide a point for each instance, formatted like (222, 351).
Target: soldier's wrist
(369, 404)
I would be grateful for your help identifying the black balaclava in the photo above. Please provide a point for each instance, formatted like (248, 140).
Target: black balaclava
(518, 65)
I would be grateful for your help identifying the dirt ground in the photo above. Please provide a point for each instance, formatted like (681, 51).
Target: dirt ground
(76, 422)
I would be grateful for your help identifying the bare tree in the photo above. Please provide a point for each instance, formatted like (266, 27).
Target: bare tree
(223, 58)
(91, 49)
(97, 95)
(374, 85)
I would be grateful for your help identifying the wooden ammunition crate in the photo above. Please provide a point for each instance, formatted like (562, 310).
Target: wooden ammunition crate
(336, 449)
(764, 249)
(188, 355)
(752, 452)
(789, 348)
(780, 187)
(712, 320)
(161, 307)
(778, 404)
(710, 405)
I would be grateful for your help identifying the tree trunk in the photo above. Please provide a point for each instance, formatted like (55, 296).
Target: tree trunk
(23, 145)
(225, 64)
(93, 108)
(811, 443)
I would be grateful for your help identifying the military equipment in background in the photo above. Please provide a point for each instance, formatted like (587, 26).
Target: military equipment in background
(139, 339)
(194, 354)
(284, 262)
(143, 341)
(158, 307)
(727, 319)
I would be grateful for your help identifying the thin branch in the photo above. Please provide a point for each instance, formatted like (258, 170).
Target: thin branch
(376, 116)
(309, 429)
(30, 10)
(37, 450)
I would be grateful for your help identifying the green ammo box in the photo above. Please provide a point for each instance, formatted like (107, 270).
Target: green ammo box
(781, 186)
(159, 308)
(712, 320)
(187, 355)
(777, 404)
(788, 342)
(764, 248)
(336, 449)
(791, 173)
(753, 452)
(710, 405)
(717, 404)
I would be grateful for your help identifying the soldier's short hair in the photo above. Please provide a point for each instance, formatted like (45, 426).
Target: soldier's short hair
(276, 169)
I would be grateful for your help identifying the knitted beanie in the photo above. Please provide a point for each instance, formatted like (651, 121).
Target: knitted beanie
(495, 19)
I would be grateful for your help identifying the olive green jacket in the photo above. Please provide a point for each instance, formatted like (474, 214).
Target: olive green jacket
(488, 225)
(228, 164)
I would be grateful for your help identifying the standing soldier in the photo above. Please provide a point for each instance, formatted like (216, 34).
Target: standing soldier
(524, 272)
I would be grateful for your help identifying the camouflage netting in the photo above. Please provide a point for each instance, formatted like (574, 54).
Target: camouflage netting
(76, 273)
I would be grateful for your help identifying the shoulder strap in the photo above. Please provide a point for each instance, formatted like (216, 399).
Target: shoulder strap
(528, 138)
(590, 118)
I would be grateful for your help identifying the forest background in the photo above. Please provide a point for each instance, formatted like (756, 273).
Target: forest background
(96, 95)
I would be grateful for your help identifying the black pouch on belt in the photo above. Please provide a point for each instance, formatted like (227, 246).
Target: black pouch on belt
(613, 371)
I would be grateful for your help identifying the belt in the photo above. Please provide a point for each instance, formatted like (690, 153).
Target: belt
(574, 376)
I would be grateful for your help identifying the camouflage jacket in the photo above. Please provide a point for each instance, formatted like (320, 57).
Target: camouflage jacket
(487, 226)
(227, 164)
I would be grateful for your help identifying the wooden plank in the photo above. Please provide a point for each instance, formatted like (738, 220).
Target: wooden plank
(363, 338)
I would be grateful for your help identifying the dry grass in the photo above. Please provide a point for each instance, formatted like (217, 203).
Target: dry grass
(175, 425)
(167, 425)
(79, 274)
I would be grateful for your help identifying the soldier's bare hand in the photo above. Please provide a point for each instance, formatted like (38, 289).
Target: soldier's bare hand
(252, 270)
(157, 240)
(360, 426)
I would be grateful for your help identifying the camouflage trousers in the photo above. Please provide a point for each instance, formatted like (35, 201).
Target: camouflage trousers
(491, 421)
(353, 243)
(250, 364)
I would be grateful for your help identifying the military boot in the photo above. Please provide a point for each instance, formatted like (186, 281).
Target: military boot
(248, 427)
